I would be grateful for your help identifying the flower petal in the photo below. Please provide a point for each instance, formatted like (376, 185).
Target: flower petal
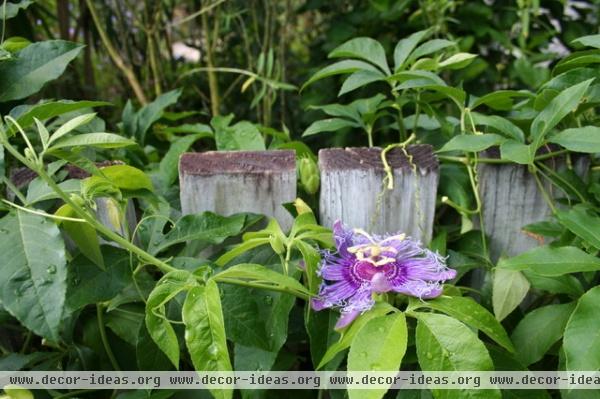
(380, 283)
(346, 318)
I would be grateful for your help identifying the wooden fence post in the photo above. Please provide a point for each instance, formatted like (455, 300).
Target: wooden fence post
(352, 189)
(511, 199)
(228, 182)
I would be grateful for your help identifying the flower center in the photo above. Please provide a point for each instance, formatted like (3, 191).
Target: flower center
(363, 271)
(374, 254)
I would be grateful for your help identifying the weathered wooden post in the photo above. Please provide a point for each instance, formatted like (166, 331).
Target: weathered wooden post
(352, 189)
(228, 182)
(511, 199)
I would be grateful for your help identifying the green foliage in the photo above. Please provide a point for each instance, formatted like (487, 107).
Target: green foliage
(379, 345)
(480, 83)
(34, 66)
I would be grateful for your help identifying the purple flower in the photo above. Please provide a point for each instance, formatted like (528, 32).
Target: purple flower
(365, 264)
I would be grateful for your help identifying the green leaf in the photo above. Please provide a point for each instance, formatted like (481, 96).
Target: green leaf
(339, 68)
(502, 125)
(500, 100)
(89, 285)
(564, 103)
(43, 132)
(359, 79)
(379, 346)
(416, 79)
(126, 323)
(328, 125)
(142, 120)
(240, 249)
(205, 332)
(581, 341)
(241, 136)
(17, 392)
(549, 261)
(206, 227)
(320, 327)
(34, 272)
(257, 318)
(380, 309)
(588, 41)
(473, 314)
(453, 93)
(457, 61)
(259, 274)
(126, 177)
(194, 128)
(565, 284)
(583, 223)
(71, 125)
(83, 235)
(429, 47)
(508, 290)
(579, 139)
(14, 44)
(170, 161)
(445, 344)
(363, 48)
(515, 151)
(149, 356)
(10, 10)
(539, 330)
(98, 140)
(34, 66)
(25, 114)
(405, 47)
(158, 326)
(472, 142)
(38, 190)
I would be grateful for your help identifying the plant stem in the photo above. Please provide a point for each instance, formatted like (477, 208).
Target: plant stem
(213, 84)
(543, 190)
(103, 337)
(116, 58)
(370, 136)
(261, 286)
(27, 342)
(475, 186)
(111, 235)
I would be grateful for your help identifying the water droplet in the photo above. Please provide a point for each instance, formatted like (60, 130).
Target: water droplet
(51, 269)
(155, 243)
(364, 354)
(18, 292)
(269, 300)
(213, 350)
(429, 355)
(259, 368)
(46, 281)
(75, 281)
(4, 231)
(375, 367)
(381, 329)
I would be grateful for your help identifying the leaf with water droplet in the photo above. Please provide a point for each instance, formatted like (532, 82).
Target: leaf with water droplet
(203, 317)
(381, 344)
(24, 291)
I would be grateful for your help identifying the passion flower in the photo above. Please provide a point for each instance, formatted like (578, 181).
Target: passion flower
(365, 264)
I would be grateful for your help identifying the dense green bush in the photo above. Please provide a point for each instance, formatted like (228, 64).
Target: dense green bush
(168, 77)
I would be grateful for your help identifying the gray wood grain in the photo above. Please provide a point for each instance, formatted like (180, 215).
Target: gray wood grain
(511, 199)
(228, 182)
(352, 190)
